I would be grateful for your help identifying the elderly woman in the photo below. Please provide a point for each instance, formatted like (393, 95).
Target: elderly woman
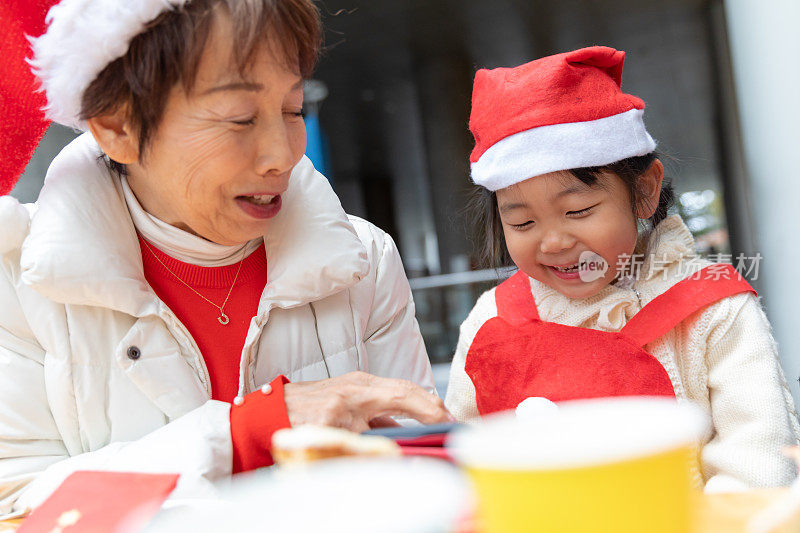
(187, 283)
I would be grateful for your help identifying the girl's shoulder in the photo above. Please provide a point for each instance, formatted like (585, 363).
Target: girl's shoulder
(484, 309)
(738, 310)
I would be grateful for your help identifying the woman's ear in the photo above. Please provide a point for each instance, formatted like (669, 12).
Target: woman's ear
(648, 186)
(116, 137)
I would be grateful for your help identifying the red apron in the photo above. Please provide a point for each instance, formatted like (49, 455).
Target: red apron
(516, 355)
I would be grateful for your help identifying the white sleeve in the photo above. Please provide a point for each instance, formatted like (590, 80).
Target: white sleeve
(197, 446)
(752, 410)
(460, 398)
(392, 338)
(34, 458)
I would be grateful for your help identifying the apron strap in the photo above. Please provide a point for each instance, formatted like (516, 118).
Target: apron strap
(514, 298)
(685, 298)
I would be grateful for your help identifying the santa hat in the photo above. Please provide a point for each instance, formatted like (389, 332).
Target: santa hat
(22, 123)
(81, 39)
(556, 113)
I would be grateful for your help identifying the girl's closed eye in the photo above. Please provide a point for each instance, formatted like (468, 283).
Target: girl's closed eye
(523, 225)
(581, 212)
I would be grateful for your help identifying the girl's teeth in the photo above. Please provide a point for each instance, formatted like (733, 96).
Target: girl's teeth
(567, 269)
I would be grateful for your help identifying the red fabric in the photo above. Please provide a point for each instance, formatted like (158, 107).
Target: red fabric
(253, 424)
(516, 355)
(435, 440)
(575, 86)
(221, 345)
(426, 451)
(721, 281)
(23, 123)
(104, 501)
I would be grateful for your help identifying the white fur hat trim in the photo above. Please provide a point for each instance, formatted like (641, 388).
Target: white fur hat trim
(82, 38)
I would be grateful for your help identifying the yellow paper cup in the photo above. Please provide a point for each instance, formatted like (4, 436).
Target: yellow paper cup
(621, 465)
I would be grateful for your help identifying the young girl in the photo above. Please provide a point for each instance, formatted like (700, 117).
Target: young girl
(567, 175)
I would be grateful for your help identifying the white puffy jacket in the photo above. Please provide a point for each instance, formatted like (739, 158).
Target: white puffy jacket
(73, 299)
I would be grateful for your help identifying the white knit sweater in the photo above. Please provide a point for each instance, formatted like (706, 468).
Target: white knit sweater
(722, 359)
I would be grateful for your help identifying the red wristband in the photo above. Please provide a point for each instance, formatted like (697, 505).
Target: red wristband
(253, 422)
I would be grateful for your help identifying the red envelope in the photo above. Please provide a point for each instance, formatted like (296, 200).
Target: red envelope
(89, 502)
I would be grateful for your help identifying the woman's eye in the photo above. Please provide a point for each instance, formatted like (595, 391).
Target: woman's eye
(299, 114)
(580, 212)
(247, 122)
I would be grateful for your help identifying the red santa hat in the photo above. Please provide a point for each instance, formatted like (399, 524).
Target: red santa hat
(22, 123)
(556, 113)
(82, 37)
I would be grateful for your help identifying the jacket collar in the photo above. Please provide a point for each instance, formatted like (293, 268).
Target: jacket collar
(82, 247)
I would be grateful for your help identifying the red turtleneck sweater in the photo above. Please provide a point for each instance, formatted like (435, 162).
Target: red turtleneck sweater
(254, 421)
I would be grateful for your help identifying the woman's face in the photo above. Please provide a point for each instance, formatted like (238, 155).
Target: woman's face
(222, 155)
(553, 222)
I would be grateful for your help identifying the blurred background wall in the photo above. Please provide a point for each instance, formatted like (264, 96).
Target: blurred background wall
(389, 107)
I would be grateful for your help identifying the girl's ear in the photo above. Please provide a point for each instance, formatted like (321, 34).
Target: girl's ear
(115, 136)
(648, 186)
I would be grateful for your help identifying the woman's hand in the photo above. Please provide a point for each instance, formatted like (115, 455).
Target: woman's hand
(358, 401)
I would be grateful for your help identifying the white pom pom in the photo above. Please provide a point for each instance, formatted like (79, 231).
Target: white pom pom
(14, 221)
(535, 408)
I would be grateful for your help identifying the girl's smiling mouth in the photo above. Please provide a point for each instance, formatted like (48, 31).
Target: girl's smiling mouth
(565, 272)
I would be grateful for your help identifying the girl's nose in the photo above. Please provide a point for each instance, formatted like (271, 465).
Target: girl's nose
(555, 241)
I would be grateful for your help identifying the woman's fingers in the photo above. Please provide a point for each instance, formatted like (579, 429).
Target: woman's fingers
(383, 422)
(356, 399)
(404, 398)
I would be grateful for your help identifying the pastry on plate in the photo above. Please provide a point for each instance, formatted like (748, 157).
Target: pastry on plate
(309, 443)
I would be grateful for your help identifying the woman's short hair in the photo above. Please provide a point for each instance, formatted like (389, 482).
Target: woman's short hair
(169, 52)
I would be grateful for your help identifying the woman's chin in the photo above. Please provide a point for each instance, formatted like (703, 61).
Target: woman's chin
(241, 234)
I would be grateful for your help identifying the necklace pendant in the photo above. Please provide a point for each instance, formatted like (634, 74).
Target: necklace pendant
(223, 319)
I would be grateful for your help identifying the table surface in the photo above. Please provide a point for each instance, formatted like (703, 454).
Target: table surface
(718, 513)
(729, 513)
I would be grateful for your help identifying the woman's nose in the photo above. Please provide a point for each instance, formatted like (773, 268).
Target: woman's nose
(555, 241)
(276, 153)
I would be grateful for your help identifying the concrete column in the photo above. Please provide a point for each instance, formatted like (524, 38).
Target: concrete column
(765, 47)
(30, 183)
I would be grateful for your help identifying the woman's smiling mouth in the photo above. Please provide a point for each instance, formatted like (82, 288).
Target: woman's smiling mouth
(260, 206)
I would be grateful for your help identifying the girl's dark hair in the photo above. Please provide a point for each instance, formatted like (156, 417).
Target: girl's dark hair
(482, 209)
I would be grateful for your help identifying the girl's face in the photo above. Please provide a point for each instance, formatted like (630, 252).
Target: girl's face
(553, 221)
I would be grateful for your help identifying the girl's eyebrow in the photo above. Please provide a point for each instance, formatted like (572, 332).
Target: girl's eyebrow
(575, 189)
(510, 206)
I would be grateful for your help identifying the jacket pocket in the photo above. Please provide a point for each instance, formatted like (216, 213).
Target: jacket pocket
(151, 358)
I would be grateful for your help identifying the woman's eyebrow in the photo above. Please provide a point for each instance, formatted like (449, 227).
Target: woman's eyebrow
(236, 86)
(247, 86)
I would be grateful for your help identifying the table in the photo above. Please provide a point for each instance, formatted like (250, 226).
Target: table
(9, 525)
(718, 513)
(729, 513)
